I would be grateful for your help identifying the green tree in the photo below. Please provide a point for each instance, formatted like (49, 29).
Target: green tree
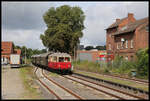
(101, 47)
(17, 47)
(89, 47)
(143, 62)
(43, 51)
(64, 28)
(23, 50)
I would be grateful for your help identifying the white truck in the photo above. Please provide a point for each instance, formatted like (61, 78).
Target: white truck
(15, 60)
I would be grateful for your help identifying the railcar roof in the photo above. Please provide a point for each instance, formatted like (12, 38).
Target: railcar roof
(61, 54)
(45, 54)
(42, 55)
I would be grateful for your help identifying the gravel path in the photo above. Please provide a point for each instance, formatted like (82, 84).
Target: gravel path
(12, 85)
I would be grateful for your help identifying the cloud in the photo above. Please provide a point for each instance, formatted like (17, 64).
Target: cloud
(23, 15)
(101, 15)
(28, 38)
(22, 22)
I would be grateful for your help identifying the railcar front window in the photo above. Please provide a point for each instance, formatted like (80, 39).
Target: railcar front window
(55, 59)
(61, 59)
(67, 59)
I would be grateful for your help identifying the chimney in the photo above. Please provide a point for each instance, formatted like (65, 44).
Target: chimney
(117, 20)
(130, 15)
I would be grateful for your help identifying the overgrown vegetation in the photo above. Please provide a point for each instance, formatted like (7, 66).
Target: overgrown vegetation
(89, 66)
(28, 52)
(143, 63)
(28, 80)
(120, 66)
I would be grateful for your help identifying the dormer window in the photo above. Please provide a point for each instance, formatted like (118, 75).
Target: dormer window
(123, 28)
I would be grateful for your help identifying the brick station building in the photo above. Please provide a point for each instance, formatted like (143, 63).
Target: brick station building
(125, 36)
(7, 49)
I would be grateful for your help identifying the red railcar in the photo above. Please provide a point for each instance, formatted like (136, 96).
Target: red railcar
(60, 61)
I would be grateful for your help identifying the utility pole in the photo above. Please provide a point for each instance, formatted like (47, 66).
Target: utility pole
(74, 54)
(25, 55)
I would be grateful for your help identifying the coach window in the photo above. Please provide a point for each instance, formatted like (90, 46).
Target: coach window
(50, 59)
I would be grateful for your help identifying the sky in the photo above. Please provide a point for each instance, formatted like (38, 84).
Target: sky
(22, 22)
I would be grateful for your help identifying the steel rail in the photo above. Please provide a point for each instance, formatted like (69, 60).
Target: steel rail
(47, 87)
(113, 83)
(131, 79)
(72, 93)
(96, 88)
(141, 98)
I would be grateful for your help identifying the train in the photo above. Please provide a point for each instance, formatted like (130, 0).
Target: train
(54, 61)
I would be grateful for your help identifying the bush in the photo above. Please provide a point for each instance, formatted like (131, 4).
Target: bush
(142, 62)
(106, 71)
(117, 61)
(122, 66)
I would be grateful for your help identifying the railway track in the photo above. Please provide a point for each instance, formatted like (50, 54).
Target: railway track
(114, 92)
(124, 78)
(121, 95)
(51, 91)
(115, 84)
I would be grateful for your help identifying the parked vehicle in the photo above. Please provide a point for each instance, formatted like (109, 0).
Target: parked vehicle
(15, 60)
(55, 61)
(4, 61)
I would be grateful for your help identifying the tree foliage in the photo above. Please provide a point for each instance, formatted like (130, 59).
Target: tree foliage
(64, 28)
(101, 47)
(28, 52)
(143, 62)
(89, 47)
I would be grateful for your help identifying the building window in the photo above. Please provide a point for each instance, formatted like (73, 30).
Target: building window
(126, 58)
(131, 58)
(117, 45)
(132, 43)
(123, 28)
(121, 45)
(109, 46)
(126, 43)
(110, 35)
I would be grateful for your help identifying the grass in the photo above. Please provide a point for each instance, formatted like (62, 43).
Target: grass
(87, 66)
(146, 88)
(96, 68)
(28, 80)
(122, 70)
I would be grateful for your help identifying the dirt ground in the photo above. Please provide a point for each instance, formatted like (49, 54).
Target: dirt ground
(12, 84)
